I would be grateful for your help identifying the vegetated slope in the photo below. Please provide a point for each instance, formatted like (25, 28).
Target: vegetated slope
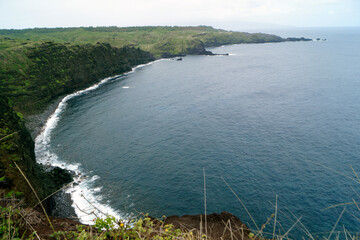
(160, 41)
(17, 147)
(32, 74)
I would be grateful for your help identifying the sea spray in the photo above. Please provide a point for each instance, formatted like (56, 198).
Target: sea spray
(87, 205)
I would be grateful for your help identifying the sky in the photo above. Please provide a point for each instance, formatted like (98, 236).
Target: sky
(227, 14)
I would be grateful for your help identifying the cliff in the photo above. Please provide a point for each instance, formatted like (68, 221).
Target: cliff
(33, 76)
(17, 146)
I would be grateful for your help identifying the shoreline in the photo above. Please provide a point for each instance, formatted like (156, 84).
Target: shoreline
(78, 197)
(36, 122)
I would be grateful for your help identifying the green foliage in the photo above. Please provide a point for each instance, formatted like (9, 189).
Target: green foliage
(147, 38)
(142, 228)
(33, 76)
(13, 194)
(11, 221)
(107, 223)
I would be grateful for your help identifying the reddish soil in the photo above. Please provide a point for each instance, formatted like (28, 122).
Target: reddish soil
(219, 226)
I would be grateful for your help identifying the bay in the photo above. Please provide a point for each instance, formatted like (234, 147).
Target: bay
(271, 119)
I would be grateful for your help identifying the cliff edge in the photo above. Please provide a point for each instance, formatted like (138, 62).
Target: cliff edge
(17, 148)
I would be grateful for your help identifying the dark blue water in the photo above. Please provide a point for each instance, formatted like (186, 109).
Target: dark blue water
(271, 119)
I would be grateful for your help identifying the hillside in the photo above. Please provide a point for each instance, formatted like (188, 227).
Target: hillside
(33, 74)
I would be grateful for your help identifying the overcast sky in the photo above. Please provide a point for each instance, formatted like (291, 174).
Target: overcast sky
(219, 13)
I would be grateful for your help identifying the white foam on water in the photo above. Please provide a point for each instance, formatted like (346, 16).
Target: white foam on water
(86, 203)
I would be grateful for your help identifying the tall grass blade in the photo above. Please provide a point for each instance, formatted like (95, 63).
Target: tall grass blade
(205, 203)
(303, 228)
(336, 223)
(37, 197)
(276, 207)
(291, 228)
(357, 177)
(252, 219)
(9, 135)
(333, 170)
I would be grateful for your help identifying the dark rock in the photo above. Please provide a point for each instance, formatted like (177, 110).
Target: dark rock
(169, 55)
(197, 48)
(297, 39)
(61, 176)
(17, 149)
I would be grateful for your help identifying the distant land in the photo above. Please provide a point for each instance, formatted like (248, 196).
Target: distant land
(159, 41)
(41, 64)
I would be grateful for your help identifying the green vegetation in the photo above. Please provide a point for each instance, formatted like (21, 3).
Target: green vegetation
(34, 74)
(141, 228)
(38, 65)
(18, 223)
(160, 41)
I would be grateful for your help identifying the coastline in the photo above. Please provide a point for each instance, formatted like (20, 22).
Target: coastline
(72, 201)
(35, 123)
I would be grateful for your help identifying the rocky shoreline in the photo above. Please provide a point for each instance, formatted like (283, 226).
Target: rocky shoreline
(35, 123)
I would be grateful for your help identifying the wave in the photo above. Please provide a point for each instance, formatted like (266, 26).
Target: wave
(87, 205)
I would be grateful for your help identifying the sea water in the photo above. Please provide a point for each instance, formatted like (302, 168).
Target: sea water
(276, 120)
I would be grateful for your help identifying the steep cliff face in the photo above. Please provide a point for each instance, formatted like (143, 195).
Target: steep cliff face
(49, 70)
(33, 76)
(17, 146)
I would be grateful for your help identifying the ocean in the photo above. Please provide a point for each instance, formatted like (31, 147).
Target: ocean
(272, 121)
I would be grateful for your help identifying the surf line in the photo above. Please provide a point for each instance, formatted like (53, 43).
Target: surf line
(86, 204)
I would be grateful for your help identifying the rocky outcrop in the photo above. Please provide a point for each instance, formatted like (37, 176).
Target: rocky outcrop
(292, 39)
(197, 47)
